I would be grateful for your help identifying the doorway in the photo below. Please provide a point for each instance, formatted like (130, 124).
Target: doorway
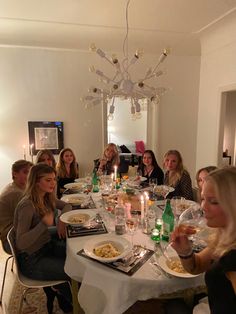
(227, 135)
(123, 129)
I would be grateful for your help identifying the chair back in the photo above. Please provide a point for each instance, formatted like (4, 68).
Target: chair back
(11, 241)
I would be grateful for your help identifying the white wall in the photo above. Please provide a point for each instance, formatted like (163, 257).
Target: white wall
(46, 85)
(218, 74)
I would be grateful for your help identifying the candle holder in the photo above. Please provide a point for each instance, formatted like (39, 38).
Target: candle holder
(146, 228)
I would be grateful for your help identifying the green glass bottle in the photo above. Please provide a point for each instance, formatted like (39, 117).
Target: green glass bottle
(168, 221)
(95, 182)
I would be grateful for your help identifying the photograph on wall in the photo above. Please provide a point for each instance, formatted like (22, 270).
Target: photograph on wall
(46, 135)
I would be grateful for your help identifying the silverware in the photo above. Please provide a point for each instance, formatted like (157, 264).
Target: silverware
(156, 264)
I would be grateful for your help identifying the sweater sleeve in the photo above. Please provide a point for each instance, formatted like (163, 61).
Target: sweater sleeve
(186, 186)
(26, 234)
(63, 206)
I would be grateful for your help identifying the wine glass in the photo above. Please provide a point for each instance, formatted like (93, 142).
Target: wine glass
(132, 221)
(153, 185)
(192, 219)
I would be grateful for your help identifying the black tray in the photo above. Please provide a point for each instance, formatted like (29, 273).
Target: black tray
(127, 270)
(74, 231)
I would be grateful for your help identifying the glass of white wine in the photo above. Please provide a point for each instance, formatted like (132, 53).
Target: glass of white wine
(192, 219)
(132, 222)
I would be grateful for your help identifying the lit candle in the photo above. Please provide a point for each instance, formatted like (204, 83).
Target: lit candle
(146, 202)
(142, 207)
(24, 152)
(112, 176)
(31, 151)
(115, 173)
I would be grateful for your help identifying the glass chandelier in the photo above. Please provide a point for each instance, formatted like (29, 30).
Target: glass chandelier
(121, 85)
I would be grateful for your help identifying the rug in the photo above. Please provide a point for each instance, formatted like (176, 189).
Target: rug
(35, 302)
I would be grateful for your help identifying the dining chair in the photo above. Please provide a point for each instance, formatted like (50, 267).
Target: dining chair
(5, 272)
(28, 283)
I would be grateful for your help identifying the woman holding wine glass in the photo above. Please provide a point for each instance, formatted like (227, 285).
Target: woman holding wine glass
(218, 259)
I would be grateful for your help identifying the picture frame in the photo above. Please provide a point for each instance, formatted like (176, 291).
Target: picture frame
(46, 135)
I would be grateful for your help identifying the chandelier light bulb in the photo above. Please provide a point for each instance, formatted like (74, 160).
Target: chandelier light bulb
(110, 117)
(139, 53)
(93, 47)
(138, 115)
(92, 69)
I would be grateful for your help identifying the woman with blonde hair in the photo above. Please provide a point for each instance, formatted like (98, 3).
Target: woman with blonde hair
(46, 156)
(218, 259)
(176, 175)
(41, 255)
(110, 158)
(200, 178)
(67, 169)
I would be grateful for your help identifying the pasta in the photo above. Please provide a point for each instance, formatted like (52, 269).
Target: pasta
(79, 218)
(106, 251)
(175, 265)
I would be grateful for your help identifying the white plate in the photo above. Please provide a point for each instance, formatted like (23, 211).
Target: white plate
(162, 262)
(163, 190)
(133, 182)
(121, 244)
(85, 181)
(76, 199)
(75, 185)
(66, 217)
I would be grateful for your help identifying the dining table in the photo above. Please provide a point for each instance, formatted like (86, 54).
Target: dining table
(104, 290)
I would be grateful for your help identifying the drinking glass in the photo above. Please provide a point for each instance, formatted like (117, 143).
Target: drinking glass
(132, 221)
(192, 218)
(177, 203)
(153, 184)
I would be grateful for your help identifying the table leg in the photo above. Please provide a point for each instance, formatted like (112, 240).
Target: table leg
(75, 290)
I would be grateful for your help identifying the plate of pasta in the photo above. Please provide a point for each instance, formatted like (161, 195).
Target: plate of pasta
(174, 267)
(107, 248)
(78, 217)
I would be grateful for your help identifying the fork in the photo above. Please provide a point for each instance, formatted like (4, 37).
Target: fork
(155, 263)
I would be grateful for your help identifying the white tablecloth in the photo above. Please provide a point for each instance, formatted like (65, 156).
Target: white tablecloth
(104, 290)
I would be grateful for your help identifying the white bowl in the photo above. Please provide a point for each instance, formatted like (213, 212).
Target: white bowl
(120, 243)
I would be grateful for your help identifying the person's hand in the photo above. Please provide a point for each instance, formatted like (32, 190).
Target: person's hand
(48, 219)
(61, 229)
(103, 162)
(180, 241)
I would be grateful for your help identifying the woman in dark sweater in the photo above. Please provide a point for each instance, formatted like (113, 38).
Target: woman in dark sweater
(177, 176)
(149, 167)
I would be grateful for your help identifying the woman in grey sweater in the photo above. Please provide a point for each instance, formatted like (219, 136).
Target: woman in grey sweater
(41, 255)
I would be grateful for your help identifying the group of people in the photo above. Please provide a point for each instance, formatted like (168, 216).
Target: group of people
(175, 173)
(40, 234)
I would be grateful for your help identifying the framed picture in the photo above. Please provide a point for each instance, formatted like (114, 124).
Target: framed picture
(46, 135)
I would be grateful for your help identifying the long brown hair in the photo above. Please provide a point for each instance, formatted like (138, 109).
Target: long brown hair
(61, 168)
(48, 153)
(173, 179)
(115, 159)
(47, 204)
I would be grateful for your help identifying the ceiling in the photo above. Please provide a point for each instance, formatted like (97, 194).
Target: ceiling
(74, 24)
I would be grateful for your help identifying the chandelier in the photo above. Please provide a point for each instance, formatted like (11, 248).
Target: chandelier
(121, 85)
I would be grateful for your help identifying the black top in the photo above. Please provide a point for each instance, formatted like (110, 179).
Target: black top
(183, 186)
(222, 298)
(156, 173)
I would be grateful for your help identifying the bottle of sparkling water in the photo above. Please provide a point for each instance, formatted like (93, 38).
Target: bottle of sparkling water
(168, 221)
(95, 182)
(120, 218)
